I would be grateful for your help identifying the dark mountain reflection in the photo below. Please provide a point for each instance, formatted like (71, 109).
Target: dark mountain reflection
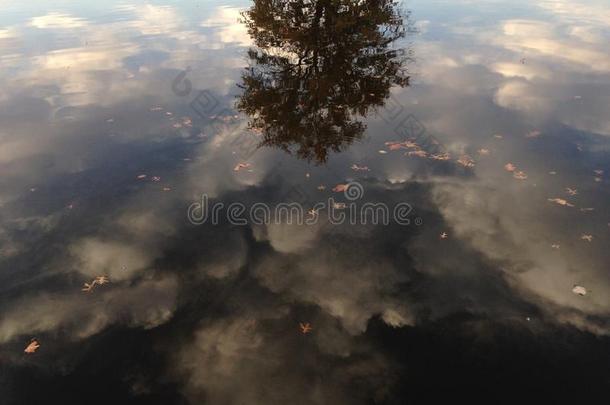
(319, 66)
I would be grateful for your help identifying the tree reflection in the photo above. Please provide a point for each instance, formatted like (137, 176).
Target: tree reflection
(319, 66)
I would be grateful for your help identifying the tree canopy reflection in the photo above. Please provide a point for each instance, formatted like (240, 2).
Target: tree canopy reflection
(318, 67)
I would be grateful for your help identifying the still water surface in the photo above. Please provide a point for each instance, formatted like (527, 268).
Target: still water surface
(490, 120)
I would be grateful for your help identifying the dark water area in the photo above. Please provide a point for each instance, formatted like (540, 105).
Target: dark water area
(307, 202)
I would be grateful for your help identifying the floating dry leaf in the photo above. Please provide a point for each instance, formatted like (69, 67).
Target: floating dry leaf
(483, 152)
(533, 134)
(579, 290)
(305, 328)
(417, 153)
(571, 191)
(588, 238)
(520, 175)
(360, 168)
(441, 156)
(466, 161)
(560, 201)
(339, 188)
(510, 167)
(32, 347)
(99, 280)
(241, 166)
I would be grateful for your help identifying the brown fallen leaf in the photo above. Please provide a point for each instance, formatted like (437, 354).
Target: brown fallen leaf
(241, 166)
(441, 156)
(483, 152)
(417, 153)
(520, 175)
(579, 290)
(339, 188)
(99, 280)
(358, 168)
(533, 134)
(560, 201)
(466, 161)
(32, 347)
(588, 238)
(305, 328)
(509, 167)
(571, 191)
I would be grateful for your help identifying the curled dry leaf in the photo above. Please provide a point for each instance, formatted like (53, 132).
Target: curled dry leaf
(533, 134)
(520, 175)
(560, 201)
(510, 167)
(579, 290)
(241, 166)
(32, 347)
(417, 153)
(339, 188)
(588, 238)
(305, 328)
(441, 156)
(99, 280)
(358, 168)
(466, 161)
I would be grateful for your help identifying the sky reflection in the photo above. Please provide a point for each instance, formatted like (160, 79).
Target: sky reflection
(101, 155)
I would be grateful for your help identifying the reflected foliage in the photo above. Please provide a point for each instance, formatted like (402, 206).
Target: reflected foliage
(319, 66)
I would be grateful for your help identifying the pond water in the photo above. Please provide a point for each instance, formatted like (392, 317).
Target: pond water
(308, 202)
